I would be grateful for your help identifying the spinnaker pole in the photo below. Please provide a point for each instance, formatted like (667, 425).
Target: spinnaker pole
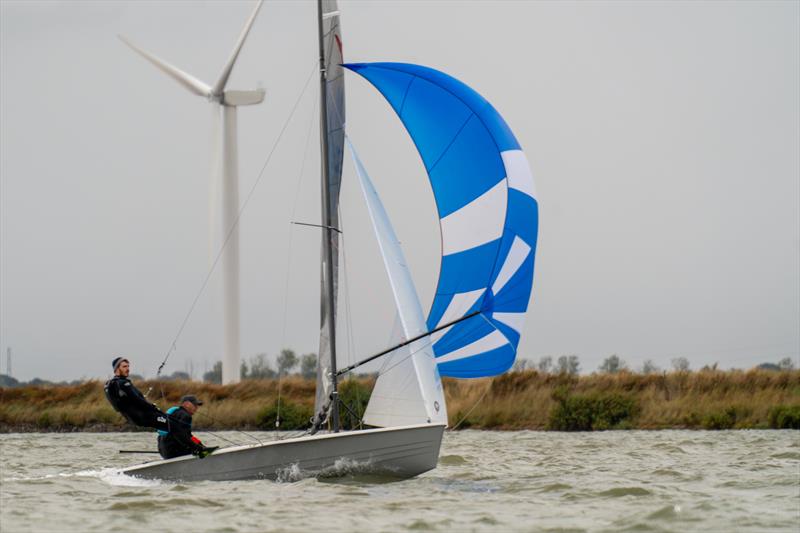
(327, 221)
(352, 367)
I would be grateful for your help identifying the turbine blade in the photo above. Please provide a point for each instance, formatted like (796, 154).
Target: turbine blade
(187, 80)
(226, 72)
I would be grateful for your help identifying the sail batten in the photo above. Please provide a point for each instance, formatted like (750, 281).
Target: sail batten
(486, 201)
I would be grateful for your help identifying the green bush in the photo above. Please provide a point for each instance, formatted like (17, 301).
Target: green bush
(572, 413)
(297, 416)
(45, 420)
(785, 417)
(612, 410)
(586, 412)
(692, 420)
(293, 416)
(463, 420)
(354, 395)
(720, 419)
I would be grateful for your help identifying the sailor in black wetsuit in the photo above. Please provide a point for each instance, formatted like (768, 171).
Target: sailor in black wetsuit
(179, 439)
(129, 402)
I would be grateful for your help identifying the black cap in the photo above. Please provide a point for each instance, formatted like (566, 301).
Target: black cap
(116, 362)
(191, 398)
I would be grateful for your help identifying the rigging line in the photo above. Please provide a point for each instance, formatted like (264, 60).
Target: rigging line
(349, 315)
(294, 211)
(397, 332)
(289, 254)
(215, 421)
(346, 294)
(236, 222)
(324, 226)
(293, 435)
(485, 392)
(219, 437)
(351, 339)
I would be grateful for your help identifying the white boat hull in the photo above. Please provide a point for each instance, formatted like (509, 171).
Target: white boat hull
(401, 452)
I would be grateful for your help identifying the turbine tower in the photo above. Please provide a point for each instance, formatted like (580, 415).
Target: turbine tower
(228, 100)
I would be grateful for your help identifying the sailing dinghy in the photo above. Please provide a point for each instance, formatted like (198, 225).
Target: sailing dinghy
(488, 218)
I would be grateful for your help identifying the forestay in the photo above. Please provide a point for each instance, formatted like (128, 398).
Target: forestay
(488, 213)
(408, 389)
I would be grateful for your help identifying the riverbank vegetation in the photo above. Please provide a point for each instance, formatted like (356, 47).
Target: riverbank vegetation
(522, 399)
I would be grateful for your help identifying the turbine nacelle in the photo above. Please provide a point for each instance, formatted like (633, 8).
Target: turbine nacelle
(240, 98)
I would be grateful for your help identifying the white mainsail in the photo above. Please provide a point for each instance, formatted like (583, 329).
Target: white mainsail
(333, 124)
(409, 389)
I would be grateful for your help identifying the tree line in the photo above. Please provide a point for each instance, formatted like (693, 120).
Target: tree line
(570, 364)
(259, 367)
(288, 362)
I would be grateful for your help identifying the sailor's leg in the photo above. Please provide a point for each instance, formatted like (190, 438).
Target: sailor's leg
(151, 419)
(162, 448)
(160, 421)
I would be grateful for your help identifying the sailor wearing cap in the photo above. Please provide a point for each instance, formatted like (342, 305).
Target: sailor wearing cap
(127, 400)
(179, 439)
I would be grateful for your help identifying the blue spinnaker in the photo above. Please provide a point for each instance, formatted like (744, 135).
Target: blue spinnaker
(488, 213)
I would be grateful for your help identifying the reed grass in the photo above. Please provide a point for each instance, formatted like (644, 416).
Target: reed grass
(527, 399)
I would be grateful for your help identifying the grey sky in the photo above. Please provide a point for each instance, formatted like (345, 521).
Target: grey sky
(663, 138)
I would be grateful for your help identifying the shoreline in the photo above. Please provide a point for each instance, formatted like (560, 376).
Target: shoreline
(523, 400)
(115, 429)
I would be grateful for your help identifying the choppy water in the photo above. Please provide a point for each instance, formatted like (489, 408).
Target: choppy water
(502, 481)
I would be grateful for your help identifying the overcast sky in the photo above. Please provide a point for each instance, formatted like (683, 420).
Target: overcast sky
(664, 139)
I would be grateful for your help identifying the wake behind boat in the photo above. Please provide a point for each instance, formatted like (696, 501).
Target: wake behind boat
(488, 213)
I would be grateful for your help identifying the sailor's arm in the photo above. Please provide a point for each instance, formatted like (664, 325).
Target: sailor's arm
(137, 398)
(182, 430)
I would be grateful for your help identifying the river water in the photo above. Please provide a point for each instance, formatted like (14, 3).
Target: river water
(486, 481)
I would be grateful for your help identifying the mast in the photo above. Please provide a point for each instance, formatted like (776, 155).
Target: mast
(327, 221)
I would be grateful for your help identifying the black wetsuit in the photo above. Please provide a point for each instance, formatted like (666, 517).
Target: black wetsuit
(126, 399)
(178, 440)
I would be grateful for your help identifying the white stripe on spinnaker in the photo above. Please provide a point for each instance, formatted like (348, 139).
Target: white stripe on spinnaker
(477, 223)
(516, 256)
(513, 320)
(457, 308)
(493, 340)
(518, 172)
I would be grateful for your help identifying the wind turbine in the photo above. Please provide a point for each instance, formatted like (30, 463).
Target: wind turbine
(228, 100)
